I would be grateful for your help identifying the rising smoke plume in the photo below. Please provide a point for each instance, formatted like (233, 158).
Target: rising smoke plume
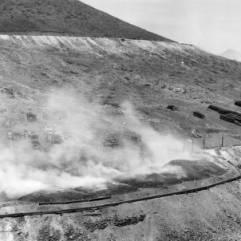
(95, 146)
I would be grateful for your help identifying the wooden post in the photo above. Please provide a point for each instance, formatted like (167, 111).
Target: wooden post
(204, 142)
(184, 146)
(192, 146)
(222, 143)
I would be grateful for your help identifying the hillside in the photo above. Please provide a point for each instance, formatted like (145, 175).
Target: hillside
(65, 17)
(152, 75)
(205, 216)
(165, 82)
(109, 132)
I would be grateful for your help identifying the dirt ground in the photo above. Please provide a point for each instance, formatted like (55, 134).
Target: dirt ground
(207, 215)
(153, 76)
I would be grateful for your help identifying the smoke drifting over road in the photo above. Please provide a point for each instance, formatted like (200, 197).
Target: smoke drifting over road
(95, 146)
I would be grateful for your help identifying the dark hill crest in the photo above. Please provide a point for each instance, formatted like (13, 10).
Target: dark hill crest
(65, 17)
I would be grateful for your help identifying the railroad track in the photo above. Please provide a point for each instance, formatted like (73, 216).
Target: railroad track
(113, 204)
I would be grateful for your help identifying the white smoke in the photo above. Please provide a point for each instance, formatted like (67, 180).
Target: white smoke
(84, 157)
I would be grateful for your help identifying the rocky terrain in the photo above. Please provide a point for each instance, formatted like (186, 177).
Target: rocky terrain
(90, 101)
(202, 214)
(167, 83)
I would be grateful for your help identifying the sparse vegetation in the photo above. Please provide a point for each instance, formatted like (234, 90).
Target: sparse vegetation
(164, 80)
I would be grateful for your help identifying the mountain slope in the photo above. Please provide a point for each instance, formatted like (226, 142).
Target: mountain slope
(68, 17)
(152, 75)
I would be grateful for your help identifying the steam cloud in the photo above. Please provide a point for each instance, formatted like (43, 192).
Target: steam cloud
(94, 146)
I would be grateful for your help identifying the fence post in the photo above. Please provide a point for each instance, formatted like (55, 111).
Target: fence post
(183, 146)
(222, 143)
(204, 142)
(192, 146)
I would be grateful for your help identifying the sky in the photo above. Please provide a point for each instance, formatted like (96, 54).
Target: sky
(213, 25)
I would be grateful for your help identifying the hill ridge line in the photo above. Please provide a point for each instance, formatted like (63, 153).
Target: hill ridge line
(67, 16)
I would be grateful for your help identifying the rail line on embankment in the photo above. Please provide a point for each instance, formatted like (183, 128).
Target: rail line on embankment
(117, 203)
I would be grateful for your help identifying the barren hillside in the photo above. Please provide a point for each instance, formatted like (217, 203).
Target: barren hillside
(104, 130)
(152, 75)
(65, 17)
(167, 83)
